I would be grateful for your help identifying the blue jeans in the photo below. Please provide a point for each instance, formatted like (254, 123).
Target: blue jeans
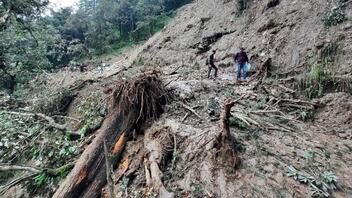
(241, 67)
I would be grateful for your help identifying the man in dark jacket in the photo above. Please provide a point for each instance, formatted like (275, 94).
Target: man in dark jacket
(211, 64)
(241, 59)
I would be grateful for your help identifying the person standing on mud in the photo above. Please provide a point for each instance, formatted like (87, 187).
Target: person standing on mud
(211, 65)
(241, 59)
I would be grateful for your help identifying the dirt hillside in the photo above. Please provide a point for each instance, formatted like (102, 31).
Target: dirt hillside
(290, 124)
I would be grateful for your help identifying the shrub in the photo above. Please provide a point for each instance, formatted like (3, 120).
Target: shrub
(317, 80)
(242, 5)
(335, 16)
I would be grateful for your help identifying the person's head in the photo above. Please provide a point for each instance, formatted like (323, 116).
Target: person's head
(241, 49)
(214, 51)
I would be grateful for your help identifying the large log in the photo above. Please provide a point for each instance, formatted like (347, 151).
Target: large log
(132, 104)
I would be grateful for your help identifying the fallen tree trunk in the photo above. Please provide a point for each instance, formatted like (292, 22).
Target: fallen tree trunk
(132, 104)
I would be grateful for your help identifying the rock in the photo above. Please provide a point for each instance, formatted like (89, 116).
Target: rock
(189, 26)
(205, 19)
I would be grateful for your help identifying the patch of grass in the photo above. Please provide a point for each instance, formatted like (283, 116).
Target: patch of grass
(320, 78)
(330, 52)
(335, 16)
(317, 80)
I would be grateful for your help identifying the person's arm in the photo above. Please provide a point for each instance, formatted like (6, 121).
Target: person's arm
(235, 58)
(247, 60)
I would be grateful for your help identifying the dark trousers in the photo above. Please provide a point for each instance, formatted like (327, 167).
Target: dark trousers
(210, 67)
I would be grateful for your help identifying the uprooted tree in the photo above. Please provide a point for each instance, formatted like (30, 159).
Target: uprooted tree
(132, 105)
(225, 143)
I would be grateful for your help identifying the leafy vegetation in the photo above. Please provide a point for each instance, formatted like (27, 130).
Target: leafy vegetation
(336, 15)
(28, 140)
(233, 121)
(319, 76)
(317, 80)
(242, 5)
(91, 109)
(32, 42)
(213, 107)
(316, 174)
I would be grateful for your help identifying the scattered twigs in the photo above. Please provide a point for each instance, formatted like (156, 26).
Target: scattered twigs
(175, 70)
(33, 170)
(185, 117)
(246, 119)
(286, 89)
(16, 181)
(175, 152)
(67, 117)
(191, 110)
(168, 83)
(299, 102)
(188, 114)
(50, 120)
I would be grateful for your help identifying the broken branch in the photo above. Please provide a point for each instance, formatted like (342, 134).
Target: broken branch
(191, 110)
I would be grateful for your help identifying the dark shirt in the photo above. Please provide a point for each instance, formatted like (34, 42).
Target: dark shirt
(211, 59)
(241, 58)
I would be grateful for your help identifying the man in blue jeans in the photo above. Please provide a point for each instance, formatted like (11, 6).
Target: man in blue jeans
(241, 59)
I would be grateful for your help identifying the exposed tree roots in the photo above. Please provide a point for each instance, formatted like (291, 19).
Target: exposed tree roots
(225, 143)
(132, 105)
(156, 143)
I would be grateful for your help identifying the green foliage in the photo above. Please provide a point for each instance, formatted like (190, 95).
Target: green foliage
(228, 92)
(261, 103)
(41, 179)
(242, 5)
(330, 52)
(54, 102)
(335, 16)
(317, 80)
(316, 174)
(91, 109)
(68, 150)
(233, 121)
(25, 141)
(124, 183)
(319, 76)
(213, 107)
(31, 42)
(35, 129)
(305, 114)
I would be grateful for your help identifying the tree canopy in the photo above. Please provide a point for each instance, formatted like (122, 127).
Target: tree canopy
(32, 40)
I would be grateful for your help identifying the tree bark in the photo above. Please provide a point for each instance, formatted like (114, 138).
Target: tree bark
(88, 176)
